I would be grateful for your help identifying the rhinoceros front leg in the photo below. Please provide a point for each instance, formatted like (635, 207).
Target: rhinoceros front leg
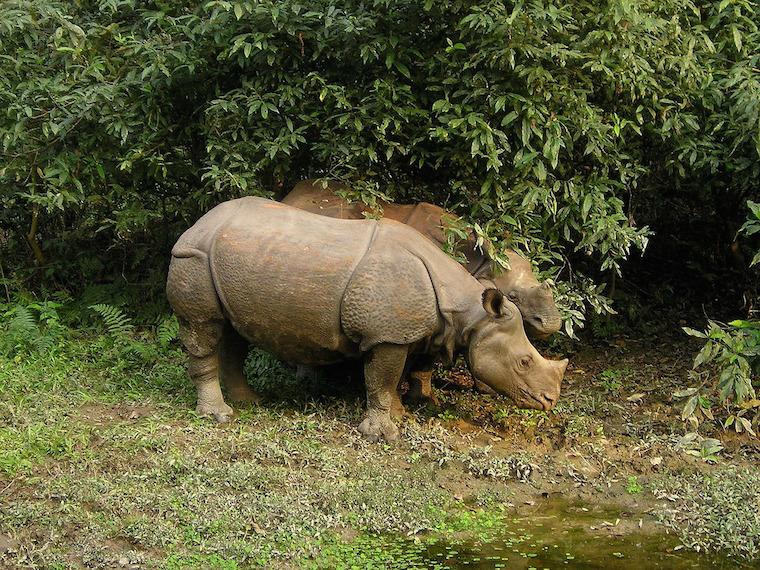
(383, 367)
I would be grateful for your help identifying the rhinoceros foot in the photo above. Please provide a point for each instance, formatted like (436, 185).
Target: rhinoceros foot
(377, 426)
(398, 411)
(222, 413)
(421, 388)
(243, 394)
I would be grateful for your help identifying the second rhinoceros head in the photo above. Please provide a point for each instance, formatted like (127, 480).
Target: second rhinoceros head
(501, 356)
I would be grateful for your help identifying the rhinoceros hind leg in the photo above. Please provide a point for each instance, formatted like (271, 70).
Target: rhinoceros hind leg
(233, 350)
(383, 367)
(204, 372)
(421, 388)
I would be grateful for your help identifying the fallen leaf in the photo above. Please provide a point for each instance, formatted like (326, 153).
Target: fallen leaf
(655, 461)
(637, 397)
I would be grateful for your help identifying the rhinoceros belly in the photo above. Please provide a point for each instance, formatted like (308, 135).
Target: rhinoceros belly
(281, 274)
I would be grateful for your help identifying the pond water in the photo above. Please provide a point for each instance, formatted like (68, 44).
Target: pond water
(559, 535)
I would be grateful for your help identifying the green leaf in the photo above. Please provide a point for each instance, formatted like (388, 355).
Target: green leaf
(587, 202)
(404, 70)
(688, 409)
(693, 332)
(508, 119)
(390, 57)
(737, 38)
(526, 131)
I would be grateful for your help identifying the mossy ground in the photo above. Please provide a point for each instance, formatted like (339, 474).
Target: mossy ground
(103, 463)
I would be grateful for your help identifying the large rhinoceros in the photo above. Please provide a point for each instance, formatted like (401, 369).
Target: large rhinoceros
(534, 300)
(519, 283)
(316, 290)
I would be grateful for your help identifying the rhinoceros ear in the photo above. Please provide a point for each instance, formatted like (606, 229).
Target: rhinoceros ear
(495, 304)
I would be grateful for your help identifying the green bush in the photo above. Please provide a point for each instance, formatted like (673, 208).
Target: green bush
(551, 125)
(29, 328)
(732, 354)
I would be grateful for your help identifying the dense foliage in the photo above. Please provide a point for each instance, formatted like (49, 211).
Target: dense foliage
(732, 354)
(554, 122)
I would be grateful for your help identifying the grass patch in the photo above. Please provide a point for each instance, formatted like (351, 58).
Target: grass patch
(104, 463)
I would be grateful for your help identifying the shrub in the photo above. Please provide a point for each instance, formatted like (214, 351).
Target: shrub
(731, 353)
(550, 126)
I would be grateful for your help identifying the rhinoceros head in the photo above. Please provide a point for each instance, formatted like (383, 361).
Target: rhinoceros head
(536, 304)
(501, 356)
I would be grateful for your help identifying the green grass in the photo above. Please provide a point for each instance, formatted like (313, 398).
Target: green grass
(633, 487)
(103, 462)
(106, 461)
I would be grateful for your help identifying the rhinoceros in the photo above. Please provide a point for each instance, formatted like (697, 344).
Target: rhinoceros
(316, 290)
(519, 283)
(533, 299)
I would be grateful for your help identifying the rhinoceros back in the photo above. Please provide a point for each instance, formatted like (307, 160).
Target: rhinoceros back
(280, 274)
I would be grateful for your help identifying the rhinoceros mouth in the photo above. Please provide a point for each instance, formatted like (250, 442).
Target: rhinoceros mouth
(542, 405)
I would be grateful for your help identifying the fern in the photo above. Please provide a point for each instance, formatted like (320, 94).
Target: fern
(117, 323)
(25, 335)
(167, 331)
(42, 342)
(23, 322)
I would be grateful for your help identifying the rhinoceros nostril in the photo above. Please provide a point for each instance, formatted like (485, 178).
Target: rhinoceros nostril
(548, 401)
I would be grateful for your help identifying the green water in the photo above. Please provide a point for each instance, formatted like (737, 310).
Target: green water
(558, 535)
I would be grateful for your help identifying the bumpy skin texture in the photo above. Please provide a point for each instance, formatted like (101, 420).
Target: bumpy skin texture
(534, 300)
(314, 290)
(519, 283)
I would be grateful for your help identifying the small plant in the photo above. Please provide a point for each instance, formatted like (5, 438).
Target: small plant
(32, 328)
(733, 350)
(448, 415)
(706, 448)
(730, 356)
(633, 487)
(738, 420)
(167, 331)
(116, 321)
(697, 407)
(610, 380)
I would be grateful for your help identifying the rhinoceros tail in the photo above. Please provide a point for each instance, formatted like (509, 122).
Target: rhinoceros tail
(183, 252)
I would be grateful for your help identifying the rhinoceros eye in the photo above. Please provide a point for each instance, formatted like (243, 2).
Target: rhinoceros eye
(526, 362)
(512, 295)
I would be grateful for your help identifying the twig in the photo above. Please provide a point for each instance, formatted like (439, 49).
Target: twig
(31, 238)
(5, 283)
